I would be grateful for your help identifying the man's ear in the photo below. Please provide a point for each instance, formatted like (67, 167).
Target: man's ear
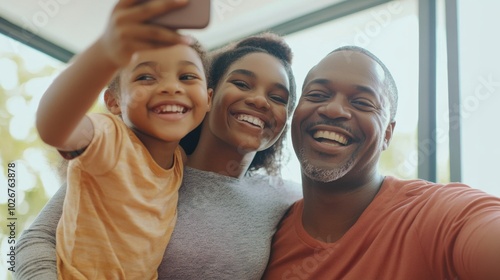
(210, 95)
(388, 135)
(112, 103)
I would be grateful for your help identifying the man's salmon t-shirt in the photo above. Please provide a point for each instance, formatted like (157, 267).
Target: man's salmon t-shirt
(412, 230)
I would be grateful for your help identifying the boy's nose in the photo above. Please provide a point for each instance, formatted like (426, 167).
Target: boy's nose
(170, 86)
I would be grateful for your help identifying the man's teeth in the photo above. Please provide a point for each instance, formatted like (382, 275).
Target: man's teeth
(170, 109)
(329, 135)
(251, 119)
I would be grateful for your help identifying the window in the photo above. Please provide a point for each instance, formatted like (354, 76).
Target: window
(25, 74)
(479, 78)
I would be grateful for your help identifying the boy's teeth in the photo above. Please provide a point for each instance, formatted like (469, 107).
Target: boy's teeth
(330, 135)
(170, 109)
(251, 119)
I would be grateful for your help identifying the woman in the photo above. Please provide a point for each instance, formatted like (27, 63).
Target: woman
(227, 213)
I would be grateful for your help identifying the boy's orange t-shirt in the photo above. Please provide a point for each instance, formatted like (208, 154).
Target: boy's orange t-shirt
(412, 230)
(120, 207)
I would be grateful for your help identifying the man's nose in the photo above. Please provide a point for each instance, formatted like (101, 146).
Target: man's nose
(336, 107)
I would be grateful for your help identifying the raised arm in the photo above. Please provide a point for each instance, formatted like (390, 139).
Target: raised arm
(61, 120)
(36, 247)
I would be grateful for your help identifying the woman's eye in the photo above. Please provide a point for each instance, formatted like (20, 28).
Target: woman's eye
(241, 84)
(279, 99)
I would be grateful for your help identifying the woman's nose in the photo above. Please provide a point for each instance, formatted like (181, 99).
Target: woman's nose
(258, 100)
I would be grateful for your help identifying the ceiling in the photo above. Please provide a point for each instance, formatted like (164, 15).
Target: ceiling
(74, 24)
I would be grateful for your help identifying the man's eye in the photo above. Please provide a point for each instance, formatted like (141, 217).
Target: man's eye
(316, 96)
(363, 104)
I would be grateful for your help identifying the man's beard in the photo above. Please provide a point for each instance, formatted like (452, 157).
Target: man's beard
(324, 175)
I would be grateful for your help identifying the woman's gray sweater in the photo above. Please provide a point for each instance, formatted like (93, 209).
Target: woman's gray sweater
(224, 229)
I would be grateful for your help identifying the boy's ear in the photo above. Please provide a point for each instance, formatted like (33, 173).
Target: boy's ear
(210, 94)
(112, 103)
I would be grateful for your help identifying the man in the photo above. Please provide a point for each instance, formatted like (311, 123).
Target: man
(355, 223)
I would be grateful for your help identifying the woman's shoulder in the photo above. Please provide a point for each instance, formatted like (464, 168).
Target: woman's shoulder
(288, 189)
(293, 189)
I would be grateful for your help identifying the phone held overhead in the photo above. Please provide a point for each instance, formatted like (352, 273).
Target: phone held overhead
(195, 15)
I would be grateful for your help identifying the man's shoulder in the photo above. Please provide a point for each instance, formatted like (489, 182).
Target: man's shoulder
(412, 184)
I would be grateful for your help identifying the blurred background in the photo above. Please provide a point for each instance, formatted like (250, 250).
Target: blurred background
(443, 54)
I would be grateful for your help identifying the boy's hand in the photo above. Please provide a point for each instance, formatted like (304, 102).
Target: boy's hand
(128, 30)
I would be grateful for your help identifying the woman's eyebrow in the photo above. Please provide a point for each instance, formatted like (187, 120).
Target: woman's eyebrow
(252, 75)
(243, 72)
(282, 87)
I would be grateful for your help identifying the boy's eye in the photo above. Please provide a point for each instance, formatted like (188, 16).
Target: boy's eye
(188, 77)
(145, 77)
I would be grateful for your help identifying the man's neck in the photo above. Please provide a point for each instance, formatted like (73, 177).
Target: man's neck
(331, 209)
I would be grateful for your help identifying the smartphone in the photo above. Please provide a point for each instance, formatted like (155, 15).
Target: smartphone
(195, 15)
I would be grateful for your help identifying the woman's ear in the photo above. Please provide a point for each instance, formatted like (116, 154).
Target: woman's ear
(210, 93)
(112, 102)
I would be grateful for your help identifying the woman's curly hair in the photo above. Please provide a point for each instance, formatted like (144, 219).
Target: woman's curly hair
(220, 61)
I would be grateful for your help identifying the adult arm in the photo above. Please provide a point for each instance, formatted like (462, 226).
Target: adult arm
(491, 251)
(481, 249)
(470, 232)
(36, 247)
(459, 229)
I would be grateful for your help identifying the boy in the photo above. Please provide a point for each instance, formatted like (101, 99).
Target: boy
(126, 167)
